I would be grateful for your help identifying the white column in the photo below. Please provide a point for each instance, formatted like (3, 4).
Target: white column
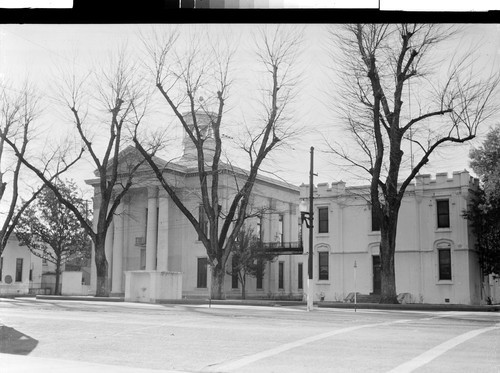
(108, 248)
(117, 272)
(151, 233)
(163, 229)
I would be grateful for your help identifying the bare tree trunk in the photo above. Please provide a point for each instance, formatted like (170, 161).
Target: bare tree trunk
(58, 276)
(217, 286)
(388, 275)
(243, 285)
(102, 289)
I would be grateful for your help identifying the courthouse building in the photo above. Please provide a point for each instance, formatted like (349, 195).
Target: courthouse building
(435, 260)
(154, 252)
(150, 236)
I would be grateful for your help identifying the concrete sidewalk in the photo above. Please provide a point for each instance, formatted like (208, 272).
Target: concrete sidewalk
(284, 303)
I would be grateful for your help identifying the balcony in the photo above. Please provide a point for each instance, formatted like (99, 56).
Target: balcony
(283, 248)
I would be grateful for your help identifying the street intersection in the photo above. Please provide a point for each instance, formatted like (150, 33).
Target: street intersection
(78, 336)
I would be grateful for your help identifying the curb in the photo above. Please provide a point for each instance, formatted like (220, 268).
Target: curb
(80, 298)
(276, 303)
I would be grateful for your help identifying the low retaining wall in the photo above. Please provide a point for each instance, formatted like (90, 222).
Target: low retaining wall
(152, 286)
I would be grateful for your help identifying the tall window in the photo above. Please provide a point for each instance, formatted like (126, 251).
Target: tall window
(19, 269)
(234, 276)
(260, 274)
(444, 257)
(281, 275)
(323, 220)
(375, 221)
(323, 265)
(443, 213)
(202, 219)
(146, 224)
(201, 280)
(301, 276)
(1, 267)
(281, 227)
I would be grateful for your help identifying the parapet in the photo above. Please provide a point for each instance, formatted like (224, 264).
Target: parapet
(442, 180)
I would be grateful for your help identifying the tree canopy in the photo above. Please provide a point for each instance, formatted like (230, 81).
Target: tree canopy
(51, 231)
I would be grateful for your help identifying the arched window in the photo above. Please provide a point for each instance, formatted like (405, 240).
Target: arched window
(444, 261)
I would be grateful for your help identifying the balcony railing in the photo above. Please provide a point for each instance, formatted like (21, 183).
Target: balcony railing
(284, 248)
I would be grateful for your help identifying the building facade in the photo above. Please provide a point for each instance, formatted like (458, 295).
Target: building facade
(20, 270)
(435, 260)
(150, 233)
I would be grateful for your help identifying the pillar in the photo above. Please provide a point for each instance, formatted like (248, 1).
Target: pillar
(108, 248)
(163, 230)
(151, 233)
(117, 264)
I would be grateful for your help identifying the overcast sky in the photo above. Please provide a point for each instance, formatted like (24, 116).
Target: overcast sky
(38, 51)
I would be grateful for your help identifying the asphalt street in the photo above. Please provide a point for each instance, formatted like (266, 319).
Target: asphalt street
(77, 336)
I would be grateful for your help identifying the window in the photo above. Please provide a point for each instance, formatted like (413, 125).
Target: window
(301, 276)
(234, 273)
(443, 213)
(1, 268)
(375, 221)
(201, 280)
(31, 274)
(202, 219)
(444, 256)
(260, 274)
(19, 269)
(281, 227)
(281, 275)
(323, 265)
(323, 220)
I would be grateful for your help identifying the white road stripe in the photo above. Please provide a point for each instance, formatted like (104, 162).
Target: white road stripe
(435, 352)
(288, 346)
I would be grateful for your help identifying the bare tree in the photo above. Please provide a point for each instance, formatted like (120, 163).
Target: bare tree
(19, 108)
(103, 105)
(378, 64)
(195, 87)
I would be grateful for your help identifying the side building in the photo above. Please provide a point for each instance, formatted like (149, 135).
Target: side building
(149, 233)
(20, 270)
(435, 260)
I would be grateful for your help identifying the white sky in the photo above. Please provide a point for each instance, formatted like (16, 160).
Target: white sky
(37, 51)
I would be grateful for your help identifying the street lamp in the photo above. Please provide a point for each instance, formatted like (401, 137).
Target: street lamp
(307, 216)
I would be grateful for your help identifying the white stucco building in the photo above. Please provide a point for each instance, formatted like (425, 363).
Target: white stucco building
(149, 233)
(20, 270)
(435, 260)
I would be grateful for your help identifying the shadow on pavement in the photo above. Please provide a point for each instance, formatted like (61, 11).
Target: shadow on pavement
(15, 342)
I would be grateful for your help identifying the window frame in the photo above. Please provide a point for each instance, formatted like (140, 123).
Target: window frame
(300, 276)
(281, 275)
(19, 270)
(260, 276)
(441, 214)
(323, 224)
(324, 255)
(200, 281)
(445, 271)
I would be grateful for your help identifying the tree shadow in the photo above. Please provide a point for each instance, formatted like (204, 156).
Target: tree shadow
(15, 342)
